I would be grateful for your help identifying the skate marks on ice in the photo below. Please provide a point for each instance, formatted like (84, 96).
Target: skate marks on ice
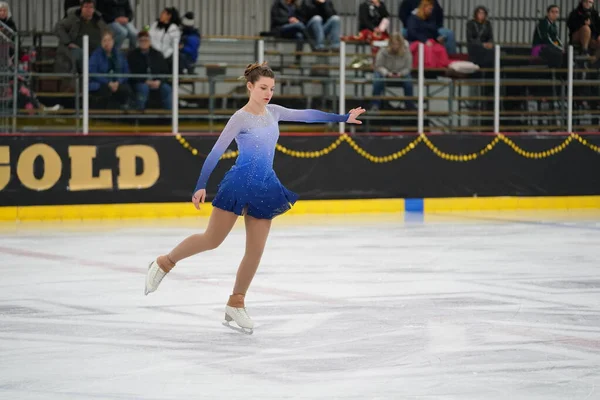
(390, 311)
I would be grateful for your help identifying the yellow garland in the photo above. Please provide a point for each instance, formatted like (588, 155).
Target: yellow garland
(412, 145)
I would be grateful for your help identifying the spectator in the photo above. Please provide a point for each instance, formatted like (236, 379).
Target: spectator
(323, 23)
(584, 26)
(394, 61)
(149, 62)
(109, 91)
(480, 38)
(373, 23)
(422, 29)
(80, 21)
(7, 20)
(118, 14)
(373, 17)
(286, 22)
(546, 43)
(409, 7)
(27, 99)
(164, 32)
(5, 16)
(69, 4)
(190, 44)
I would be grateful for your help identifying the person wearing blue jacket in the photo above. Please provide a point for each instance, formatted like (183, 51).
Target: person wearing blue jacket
(408, 7)
(190, 44)
(109, 91)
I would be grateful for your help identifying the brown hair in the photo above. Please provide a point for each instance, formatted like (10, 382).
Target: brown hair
(421, 10)
(107, 33)
(480, 8)
(396, 37)
(254, 71)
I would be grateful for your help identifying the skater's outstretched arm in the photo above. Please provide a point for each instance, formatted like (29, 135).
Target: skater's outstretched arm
(287, 114)
(231, 130)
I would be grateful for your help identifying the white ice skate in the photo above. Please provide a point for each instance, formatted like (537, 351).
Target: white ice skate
(240, 317)
(153, 278)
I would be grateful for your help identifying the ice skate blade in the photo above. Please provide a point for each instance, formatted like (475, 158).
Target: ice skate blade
(146, 291)
(238, 329)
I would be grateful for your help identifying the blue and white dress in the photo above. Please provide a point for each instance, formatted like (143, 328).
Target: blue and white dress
(251, 183)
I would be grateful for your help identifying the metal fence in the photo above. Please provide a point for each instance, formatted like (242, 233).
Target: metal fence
(512, 20)
(507, 98)
(8, 40)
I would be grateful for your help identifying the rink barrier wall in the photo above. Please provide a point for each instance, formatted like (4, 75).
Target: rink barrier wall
(104, 176)
(306, 207)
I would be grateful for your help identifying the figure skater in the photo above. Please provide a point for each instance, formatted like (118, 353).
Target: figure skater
(250, 188)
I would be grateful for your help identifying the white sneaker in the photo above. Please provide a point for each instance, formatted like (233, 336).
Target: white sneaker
(241, 318)
(153, 278)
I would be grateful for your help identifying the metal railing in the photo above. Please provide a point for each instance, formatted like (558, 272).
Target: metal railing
(442, 103)
(9, 48)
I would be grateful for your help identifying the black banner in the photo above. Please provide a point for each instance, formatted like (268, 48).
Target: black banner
(37, 170)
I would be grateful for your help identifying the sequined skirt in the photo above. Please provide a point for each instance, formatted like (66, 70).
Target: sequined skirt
(263, 198)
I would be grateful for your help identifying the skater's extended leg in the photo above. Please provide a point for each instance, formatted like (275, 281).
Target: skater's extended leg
(219, 225)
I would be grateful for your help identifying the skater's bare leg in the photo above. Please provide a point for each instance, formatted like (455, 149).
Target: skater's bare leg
(219, 225)
(257, 231)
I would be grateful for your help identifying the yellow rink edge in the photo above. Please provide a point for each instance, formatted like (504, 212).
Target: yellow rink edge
(178, 210)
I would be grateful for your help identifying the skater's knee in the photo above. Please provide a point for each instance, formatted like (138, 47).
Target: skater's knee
(213, 241)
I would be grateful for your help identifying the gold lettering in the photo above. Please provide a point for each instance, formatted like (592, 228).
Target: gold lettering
(150, 171)
(4, 166)
(52, 167)
(82, 163)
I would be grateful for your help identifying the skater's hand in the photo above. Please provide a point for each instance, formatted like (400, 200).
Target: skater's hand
(199, 197)
(354, 114)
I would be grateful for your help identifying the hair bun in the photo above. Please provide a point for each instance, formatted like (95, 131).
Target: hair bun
(252, 67)
(254, 71)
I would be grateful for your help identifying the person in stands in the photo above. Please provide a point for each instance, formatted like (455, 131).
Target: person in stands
(146, 62)
(80, 21)
(110, 90)
(393, 61)
(323, 23)
(118, 14)
(409, 7)
(480, 38)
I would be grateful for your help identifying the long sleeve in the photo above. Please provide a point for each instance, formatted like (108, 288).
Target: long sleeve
(95, 68)
(232, 129)
(364, 19)
(408, 61)
(438, 12)
(279, 16)
(310, 116)
(173, 34)
(574, 22)
(380, 63)
(129, 11)
(383, 11)
(472, 35)
(62, 31)
(490, 38)
(416, 30)
(405, 11)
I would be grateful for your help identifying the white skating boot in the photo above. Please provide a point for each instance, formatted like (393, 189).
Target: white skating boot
(153, 278)
(240, 316)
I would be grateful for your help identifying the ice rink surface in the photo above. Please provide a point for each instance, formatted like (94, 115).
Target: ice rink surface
(446, 306)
